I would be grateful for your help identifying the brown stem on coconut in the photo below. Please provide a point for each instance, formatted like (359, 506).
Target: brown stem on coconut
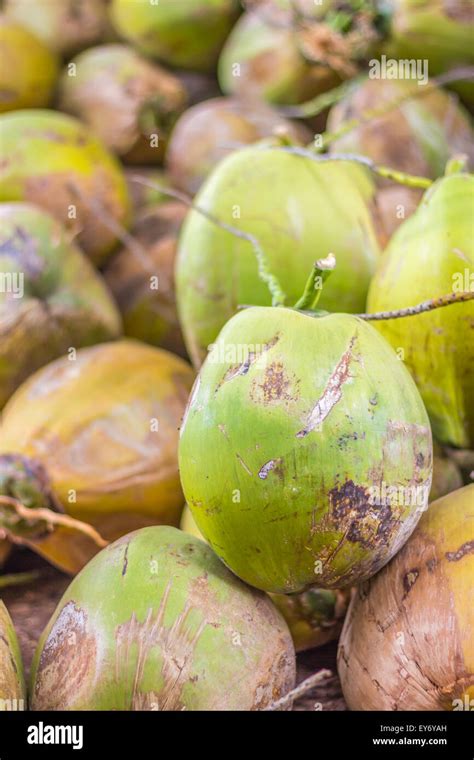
(321, 102)
(299, 691)
(31, 515)
(434, 303)
(382, 171)
(30, 522)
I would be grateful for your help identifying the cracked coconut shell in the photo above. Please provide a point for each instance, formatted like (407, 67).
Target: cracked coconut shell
(156, 622)
(407, 642)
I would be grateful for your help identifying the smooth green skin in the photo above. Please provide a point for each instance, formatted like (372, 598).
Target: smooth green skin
(426, 29)
(270, 63)
(65, 302)
(156, 622)
(187, 34)
(299, 211)
(423, 260)
(28, 69)
(274, 494)
(12, 685)
(49, 159)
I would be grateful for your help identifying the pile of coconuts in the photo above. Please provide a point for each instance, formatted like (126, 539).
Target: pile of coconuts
(237, 351)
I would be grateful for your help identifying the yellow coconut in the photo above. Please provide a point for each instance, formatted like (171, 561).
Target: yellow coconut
(28, 69)
(95, 434)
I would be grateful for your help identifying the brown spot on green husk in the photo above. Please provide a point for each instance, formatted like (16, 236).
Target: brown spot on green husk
(276, 386)
(466, 548)
(243, 367)
(361, 521)
(68, 660)
(134, 642)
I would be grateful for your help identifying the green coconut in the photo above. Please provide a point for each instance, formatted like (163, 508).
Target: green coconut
(263, 55)
(209, 131)
(56, 162)
(52, 300)
(407, 641)
(65, 26)
(156, 622)
(314, 617)
(94, 435)
(432, 255)
(187, 34)
(143, 100)
(305, 452)
(12, 687)
(28, 69)
(299, 211)
(437, 31)
(142, 280)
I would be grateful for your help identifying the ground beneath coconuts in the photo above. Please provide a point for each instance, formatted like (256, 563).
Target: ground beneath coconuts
(32, 604)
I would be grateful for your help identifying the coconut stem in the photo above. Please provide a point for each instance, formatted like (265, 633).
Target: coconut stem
(303, 688)
(317, 105)
(41, 519)
(18, 579)
(314, 285)
(456, 165)
(382, 171)
(264, 271)
(410, 311)
(455, 75)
